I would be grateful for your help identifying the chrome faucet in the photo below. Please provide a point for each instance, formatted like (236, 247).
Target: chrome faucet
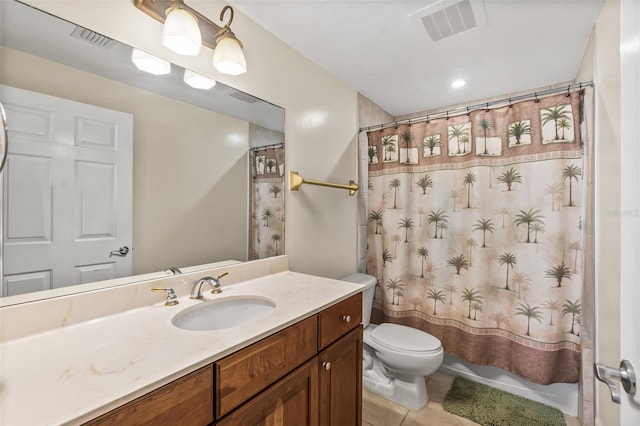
(174, 270)
(216, 287)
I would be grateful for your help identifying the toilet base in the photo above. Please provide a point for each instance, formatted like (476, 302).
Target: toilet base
(406, 390)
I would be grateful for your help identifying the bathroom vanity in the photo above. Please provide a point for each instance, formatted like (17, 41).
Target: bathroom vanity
(312, 369)
(301, 364)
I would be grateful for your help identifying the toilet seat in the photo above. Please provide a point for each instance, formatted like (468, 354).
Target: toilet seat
(398, 337)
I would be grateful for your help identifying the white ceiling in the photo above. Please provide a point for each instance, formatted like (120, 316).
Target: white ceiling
(381, 49)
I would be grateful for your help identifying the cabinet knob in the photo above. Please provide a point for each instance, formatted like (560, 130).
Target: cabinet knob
(326, 365)
(346, 318)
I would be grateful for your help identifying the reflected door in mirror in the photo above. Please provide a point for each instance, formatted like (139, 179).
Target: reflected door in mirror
(67, 192)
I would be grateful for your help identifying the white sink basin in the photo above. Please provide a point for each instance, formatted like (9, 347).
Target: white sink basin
(224, 313)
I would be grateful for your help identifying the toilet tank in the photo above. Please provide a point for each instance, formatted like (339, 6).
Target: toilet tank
(369, 282)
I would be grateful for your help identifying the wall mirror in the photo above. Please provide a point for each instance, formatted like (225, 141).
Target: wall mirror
(115, 172)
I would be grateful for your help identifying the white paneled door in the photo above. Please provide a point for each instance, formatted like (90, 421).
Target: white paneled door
(67, 192)
(630, 199)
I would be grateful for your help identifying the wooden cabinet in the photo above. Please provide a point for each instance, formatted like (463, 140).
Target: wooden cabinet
(307, 374)
(243, 374)
(335, 321)
(341, 381)
(291, 401)
(186, 401)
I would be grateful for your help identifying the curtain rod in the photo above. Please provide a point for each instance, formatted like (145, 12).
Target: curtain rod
(485, 105)
(272, 146)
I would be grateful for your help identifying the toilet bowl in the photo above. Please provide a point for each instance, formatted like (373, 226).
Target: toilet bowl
(397, 359)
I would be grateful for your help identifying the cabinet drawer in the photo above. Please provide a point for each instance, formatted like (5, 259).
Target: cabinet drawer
(243, 374)
(292, 401)
(186, 401)
(338, 319)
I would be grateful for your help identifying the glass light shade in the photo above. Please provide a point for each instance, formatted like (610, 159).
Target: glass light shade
(181, 33)
(228, 57)
(149, 63)
(198, 81)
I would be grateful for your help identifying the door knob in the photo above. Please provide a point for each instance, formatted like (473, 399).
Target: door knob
(122, 251)
(626, 374)
(326, 365)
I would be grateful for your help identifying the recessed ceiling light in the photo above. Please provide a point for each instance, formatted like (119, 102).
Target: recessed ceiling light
(458, 83)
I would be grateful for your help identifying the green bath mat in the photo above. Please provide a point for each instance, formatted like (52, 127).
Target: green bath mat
(492, 407)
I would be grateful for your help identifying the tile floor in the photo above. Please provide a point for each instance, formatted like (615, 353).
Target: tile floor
(378, 411)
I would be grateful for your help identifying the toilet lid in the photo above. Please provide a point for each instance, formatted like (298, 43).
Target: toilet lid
(405, 338)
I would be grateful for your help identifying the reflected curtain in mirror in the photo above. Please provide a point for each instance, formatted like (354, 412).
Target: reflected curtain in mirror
(267, 202)
(475, 234)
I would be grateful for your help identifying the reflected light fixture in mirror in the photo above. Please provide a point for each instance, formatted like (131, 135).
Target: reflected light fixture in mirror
(149, 63)
(180, 35)
(198, 81)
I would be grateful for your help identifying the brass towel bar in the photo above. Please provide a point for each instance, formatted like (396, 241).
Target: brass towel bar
(295, 180)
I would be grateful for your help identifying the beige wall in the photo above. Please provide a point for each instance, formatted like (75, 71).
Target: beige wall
(320, 121)
(607, 202)
(190, 165)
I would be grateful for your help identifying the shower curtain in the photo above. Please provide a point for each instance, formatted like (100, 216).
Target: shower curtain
(475, 234)
(267, 202)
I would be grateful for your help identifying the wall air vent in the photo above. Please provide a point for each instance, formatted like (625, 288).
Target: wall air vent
(93, 37)
(244, 97)
(446, 18)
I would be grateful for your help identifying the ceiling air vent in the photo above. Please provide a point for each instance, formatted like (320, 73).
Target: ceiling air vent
(446, 18)
(93, 37)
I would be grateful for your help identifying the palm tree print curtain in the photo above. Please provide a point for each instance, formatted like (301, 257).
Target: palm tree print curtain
(267, 202)
(475, 234)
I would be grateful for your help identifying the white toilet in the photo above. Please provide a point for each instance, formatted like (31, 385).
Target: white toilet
(397, 359)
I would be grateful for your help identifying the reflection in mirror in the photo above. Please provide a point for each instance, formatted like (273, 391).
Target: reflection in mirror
(115, 172)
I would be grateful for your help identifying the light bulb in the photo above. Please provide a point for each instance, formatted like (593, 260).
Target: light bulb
(181, 33)
(228, 57)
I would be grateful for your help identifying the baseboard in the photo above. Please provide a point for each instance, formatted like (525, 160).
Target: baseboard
(563, 396)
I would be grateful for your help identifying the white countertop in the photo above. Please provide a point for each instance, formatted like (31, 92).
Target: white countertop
(72, 374)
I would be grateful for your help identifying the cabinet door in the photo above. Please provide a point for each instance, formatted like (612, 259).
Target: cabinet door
(292, 401)
(186, 401)
(243, 374)
(341, 381)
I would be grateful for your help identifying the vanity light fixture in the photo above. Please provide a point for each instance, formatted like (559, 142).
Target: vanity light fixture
(198, 81)
(150, 63)
(180, 35)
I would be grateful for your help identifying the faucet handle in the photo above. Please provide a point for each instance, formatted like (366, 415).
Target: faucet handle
(172, 299)
(216, 289)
